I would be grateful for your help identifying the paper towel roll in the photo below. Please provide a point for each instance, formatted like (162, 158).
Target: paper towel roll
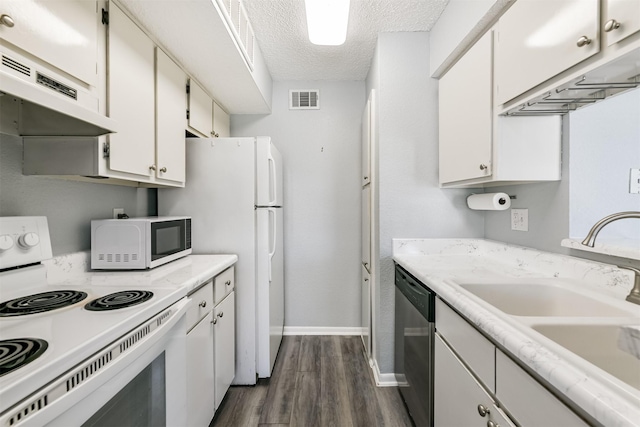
(489, 202)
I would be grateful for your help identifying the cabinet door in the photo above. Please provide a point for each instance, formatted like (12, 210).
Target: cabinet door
(220, 122)
(527, 400)
(366, 311)
(465, 115)
(171, 106)
(621, 19)
(366, 142)
(62, 33)
(200, 379)
(131, 95)
(538, 39)
(225, 354)
(458, 396)
(200, 110)
(366, 228)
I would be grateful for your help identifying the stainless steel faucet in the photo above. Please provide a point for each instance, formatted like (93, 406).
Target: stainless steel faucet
(590, 240)
(634, 295)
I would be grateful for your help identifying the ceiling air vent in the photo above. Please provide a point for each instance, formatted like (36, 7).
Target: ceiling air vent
(304, 99)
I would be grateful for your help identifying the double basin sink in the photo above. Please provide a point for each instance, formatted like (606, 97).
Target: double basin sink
(598, 328)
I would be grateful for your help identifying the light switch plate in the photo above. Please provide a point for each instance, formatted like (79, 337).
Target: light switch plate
(520, 219)
(634, 181)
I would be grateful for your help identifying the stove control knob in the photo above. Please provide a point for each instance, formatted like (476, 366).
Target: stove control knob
(28, 240)
(6, 242)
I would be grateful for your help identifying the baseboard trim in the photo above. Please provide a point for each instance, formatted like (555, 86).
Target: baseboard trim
(320, 330)
(383, 380)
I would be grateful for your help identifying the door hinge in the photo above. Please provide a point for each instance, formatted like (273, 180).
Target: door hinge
(106, 150)
(187, 114)
(105, 16)
(188, 88)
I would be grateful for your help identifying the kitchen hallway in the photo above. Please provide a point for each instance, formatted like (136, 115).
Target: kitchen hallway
(316, 381)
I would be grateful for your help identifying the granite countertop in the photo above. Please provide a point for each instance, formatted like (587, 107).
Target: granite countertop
(185, 274)
(443, 264)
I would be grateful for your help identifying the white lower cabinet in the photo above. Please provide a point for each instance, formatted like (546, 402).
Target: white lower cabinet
(200, 374)
(200, 342)
(224, 321)
(478, 384)
(460, 400)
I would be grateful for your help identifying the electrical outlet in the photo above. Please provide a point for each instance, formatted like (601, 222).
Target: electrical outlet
(520, 219)
(634, 181)
(117, 211)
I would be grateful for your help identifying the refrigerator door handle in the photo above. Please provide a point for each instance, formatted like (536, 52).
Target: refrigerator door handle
(272, 169)
(272, 244)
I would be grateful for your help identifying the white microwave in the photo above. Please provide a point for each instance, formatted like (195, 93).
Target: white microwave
(139, 243)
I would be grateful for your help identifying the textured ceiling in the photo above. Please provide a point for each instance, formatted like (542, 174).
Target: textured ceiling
(281, 30)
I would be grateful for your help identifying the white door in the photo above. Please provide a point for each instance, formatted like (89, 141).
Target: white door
(366, 227)
(200, 375)
(366, 311)
(131, 96)
(268, 174)
(269, 287)
(276, 288)
(200, 110)
(225, 330)
(621, 19)
(171, 103)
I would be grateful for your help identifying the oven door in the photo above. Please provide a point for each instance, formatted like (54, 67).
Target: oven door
(140, 380)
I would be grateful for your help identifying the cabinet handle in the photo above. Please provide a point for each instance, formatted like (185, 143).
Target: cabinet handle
(203, 304)
(611, 25)
(483, 167)
(366, 177)
(215, 135)
(366, 280)
(214, 321)
(483, 410)
(221, 314)
(228, 283)
(583, 41)
(6, 20)
(152, 167)
(492, 424)
(163, 169)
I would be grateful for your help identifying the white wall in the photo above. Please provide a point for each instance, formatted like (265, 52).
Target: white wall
(605, 145)
(68, 205)
(600, 143)
(410, 202)
(321, 152)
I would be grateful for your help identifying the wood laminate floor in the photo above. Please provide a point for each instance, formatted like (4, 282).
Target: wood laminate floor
(317, 381)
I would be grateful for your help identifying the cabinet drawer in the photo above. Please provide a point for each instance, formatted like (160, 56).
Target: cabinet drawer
(477, 351)
(202, 304)
(224, 284)
(527, 400)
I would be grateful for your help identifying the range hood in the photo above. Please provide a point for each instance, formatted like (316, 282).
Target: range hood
(37, 102)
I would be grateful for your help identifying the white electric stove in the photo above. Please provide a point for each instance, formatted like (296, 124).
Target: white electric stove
(60, 343)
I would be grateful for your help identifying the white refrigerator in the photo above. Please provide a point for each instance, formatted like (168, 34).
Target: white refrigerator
(233, 194)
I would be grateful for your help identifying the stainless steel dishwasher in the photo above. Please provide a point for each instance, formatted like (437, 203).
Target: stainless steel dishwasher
(414, 335)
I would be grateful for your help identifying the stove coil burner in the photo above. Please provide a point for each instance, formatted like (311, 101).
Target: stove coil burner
(119, 300)
(39, 303)
(16, 353)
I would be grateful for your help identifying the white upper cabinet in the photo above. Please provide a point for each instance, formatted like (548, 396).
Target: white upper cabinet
(538, 39)
(206, 117)
(221, 121)
(63, 33)
(621, 19)
(131, 74)
(476, 146)
(465, 119)
(200, 109)
(171, 106)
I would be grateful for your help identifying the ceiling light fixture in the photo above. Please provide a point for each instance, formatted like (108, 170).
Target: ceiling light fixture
(327, 21)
